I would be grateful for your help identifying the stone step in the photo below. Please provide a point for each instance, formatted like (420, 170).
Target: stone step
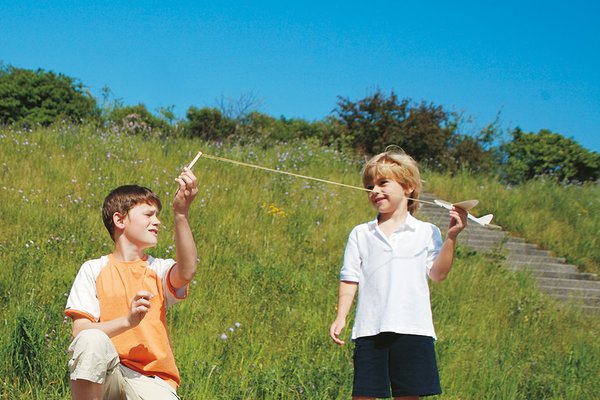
(489, 238)
(485, 239)
(553, 267)
(552, 263)
(570, 283)
(533, 259)
(501, 242)
(528, 250)
(560, 274)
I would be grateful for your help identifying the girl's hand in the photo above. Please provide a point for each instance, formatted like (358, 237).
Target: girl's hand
(458, 222)
(335, 330)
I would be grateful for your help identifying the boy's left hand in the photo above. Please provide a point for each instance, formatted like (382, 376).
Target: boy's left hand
(187, 191)
(458, 222)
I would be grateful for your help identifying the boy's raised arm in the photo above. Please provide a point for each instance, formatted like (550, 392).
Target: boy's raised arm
(185, 246)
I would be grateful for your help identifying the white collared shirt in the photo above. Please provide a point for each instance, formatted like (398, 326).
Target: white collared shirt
(393, 291)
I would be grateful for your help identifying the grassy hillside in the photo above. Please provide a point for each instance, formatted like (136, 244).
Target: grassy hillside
(256, 322)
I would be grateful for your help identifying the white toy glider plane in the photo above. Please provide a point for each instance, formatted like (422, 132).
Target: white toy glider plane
(467, 205)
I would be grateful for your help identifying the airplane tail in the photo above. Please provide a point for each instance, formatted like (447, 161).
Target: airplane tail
(483, 220)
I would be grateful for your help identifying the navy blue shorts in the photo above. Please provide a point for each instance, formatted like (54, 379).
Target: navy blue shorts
(404, 363)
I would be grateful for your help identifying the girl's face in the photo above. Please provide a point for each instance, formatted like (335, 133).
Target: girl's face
(387, 195)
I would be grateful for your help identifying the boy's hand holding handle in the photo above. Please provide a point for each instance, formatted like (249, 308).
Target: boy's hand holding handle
(140, 305)
(186, 192)
(191, 179)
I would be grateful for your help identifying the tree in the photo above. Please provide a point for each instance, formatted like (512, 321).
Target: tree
(551, 155)
(239, 108)
(475, 152)
(209, 124)
(39, 97)
(377, 121)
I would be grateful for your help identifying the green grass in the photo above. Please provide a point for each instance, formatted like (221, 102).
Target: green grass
(270, 247)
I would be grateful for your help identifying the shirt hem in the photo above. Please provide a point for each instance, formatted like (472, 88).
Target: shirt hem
(403, 331)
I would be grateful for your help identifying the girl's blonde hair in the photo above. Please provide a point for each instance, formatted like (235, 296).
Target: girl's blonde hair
(397, 165)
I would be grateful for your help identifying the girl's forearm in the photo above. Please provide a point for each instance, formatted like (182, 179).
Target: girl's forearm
(346, 294)
(443, 263)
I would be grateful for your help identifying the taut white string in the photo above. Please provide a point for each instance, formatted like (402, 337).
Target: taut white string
(299, 176)
(466, 205)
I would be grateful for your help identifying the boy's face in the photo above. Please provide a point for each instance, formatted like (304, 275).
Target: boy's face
(141, 225)
(387, 195)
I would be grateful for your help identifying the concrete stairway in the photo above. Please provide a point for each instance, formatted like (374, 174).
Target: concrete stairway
(555, 277)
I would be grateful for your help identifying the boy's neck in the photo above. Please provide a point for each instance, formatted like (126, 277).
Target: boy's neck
(127, 254)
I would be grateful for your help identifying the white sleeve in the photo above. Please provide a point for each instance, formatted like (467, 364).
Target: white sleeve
(83, 297)
(434, 246)
(352, 262)
(163, 267)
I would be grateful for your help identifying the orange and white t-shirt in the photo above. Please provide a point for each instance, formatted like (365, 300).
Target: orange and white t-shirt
(103, 290)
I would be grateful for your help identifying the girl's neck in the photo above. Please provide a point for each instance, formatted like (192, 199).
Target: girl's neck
(389, 222)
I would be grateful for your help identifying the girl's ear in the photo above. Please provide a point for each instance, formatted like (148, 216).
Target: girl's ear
(119, 220)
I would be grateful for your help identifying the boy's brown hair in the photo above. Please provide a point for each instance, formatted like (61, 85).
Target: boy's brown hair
(123, 199)
(399, 166)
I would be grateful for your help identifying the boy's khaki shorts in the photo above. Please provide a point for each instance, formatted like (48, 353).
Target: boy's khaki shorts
(94, 358)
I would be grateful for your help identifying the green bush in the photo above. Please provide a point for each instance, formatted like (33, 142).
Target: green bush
(137, 120)
(550, 155)
(208, 123)
(31, 98)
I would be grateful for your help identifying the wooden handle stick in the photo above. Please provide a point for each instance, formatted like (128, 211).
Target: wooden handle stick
(194, 160)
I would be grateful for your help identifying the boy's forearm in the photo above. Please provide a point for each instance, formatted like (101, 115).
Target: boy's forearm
(185, 250)
(111, 328)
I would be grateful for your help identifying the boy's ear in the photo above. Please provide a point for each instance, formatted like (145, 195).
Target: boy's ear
(119, 220)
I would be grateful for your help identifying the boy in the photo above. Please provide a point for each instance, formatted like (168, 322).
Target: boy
(388, 261)
(118, 303)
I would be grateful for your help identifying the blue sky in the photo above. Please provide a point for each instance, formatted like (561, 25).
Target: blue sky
(537, 64)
